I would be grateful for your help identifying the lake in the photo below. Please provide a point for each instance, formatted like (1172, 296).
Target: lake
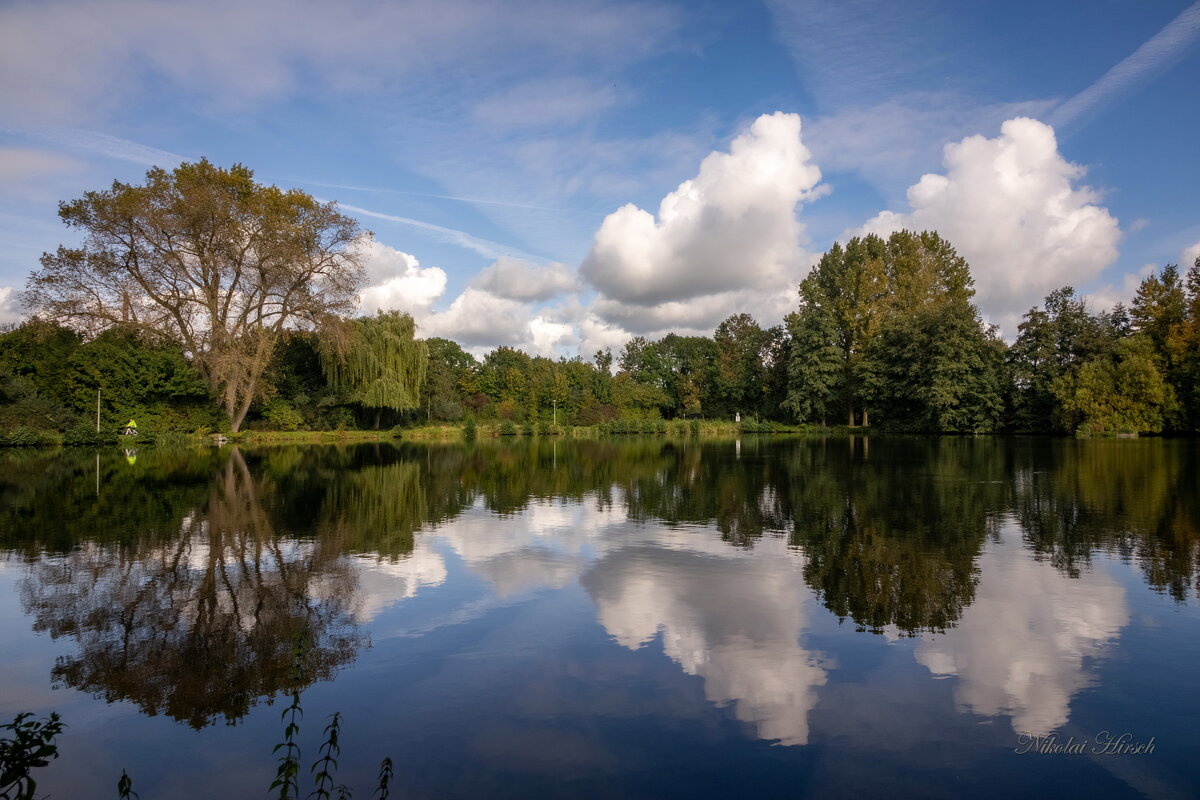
(773, 617)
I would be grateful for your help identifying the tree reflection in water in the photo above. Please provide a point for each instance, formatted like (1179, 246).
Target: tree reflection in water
(203, 625)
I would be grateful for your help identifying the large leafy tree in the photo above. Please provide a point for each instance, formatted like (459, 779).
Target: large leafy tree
(1165, 310)
(739, 380)
(1124, 392)
(206, 257)
(932, 365)
(447, 378)
(1184, 345)
(679, 367)
(1160, 305)
(841, 306)
(888, 327)
(684, 366)
(1052, 342)
(814, 365)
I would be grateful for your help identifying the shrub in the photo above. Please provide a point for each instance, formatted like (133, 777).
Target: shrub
(24, 436)
(282, 416)
(86, 436)
(338, 418)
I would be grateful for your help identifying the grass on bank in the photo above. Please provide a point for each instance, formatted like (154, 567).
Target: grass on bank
(447, 432)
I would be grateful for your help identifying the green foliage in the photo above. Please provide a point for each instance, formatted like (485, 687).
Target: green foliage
(325, 767)
(888, 328)
(815, 367)
(207, 259)
(936, 370)
(635, 426)
(1051, 344)
(382, 366)
(25, 436)
(450, 374)
(738, 379)
(1125, 393)
(471, 428)
(28, 743)
(842, 302)
(281, 416)
(1161, 303)
(86, 436)
(507, 428)
(287, 773)
(885, 329)
(751, 425)
(32, 744)
(49, 380)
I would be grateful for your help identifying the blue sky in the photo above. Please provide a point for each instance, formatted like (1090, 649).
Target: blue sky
(559, 176)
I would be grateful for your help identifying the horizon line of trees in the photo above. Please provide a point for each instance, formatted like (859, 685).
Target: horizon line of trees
(910, 355)
(203, 300)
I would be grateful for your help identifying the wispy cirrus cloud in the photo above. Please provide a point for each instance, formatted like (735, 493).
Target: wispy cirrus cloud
(434, 196)
(483, 247)
(89, 142)
(1152, 57)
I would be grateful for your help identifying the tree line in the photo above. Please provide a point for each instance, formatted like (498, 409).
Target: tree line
(203, 300)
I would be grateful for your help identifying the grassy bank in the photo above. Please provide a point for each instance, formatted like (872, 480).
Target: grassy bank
(674, 429)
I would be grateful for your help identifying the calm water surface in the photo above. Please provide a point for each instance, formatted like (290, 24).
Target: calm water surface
(768, 618)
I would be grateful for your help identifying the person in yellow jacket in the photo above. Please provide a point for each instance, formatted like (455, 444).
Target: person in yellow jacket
(130, 428)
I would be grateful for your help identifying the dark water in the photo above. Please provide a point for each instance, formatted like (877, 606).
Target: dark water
(772, 618)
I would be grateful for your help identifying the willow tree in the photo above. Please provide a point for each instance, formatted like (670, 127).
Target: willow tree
(206, 257)
(381, 364)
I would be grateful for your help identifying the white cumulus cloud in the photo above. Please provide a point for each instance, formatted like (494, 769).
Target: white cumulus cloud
(1108, 295)
(518, 280)
(397, 281)
(1189, 257)
(1012, 207)
(731, 227)
(701, 315)
(10, 309)
(478, 319)
(496, 309)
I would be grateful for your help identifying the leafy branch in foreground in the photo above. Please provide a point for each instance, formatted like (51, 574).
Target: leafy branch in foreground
(30, 745)
(327, 764)
(287, 775)
(125, 787)
(385, 779)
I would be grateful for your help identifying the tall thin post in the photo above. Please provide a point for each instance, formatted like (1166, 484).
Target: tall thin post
(554, 413)
(97, 409)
